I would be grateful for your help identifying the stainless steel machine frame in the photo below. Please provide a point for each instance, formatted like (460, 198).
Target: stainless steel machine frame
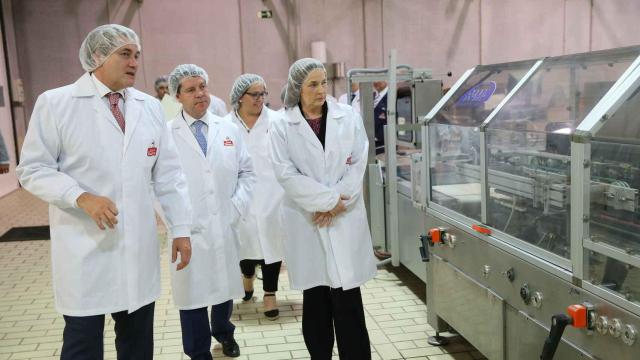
(485, 278)
(394, 221)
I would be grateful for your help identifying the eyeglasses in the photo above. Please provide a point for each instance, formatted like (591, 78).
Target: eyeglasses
(257, 95)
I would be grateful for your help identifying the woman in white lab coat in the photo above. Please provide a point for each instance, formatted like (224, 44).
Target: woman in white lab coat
(319, 152)
(220, 178)
(259, 233)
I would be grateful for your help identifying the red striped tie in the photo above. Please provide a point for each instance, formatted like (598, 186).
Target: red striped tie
(114, 97)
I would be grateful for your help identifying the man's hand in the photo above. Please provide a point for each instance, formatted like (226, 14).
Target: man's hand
(181, 245)
(4, 168)
(101, 209)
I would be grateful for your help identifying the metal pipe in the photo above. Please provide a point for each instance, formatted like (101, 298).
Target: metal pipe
(391, 160)
(354, 71)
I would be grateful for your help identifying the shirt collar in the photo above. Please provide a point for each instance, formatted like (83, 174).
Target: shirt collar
(241, 120)
(190, 119)
(383, 92)
(103, 90)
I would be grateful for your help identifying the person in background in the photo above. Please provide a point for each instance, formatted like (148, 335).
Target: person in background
(260, 232)
(220, 177)
(217, 106)
(355, 97)
(4, 156)
(99, 151)
(379, 113)
(319, 154)
(161, 86)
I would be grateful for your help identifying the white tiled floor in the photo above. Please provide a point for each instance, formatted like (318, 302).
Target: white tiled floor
(30, 328)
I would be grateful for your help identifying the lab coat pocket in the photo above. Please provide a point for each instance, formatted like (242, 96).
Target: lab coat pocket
(230, 157)
(201, 215)
(346, 149)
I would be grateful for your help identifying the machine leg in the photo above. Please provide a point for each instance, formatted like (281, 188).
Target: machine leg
(437, 340)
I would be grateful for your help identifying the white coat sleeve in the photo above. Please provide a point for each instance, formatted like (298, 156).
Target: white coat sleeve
(38, 171)
(351, 182)
(305, 191)
(246, 178)
(170, 184)
(218, 107)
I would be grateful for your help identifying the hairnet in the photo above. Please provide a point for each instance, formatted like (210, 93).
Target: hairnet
(241, 85)
(160, 80)
(182, 72)
(103, 41)
(298, 72)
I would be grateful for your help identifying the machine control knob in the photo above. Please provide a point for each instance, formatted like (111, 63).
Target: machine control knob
(615, 328)
(602, 325)
(536, 299)
(510, 274)
(452, 240)
(525, 293)
(629, 334)
(436, 235)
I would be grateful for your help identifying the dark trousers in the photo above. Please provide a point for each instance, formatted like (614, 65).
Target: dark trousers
(83, 336)
(196, 334)
(270, 273)
(325, 308)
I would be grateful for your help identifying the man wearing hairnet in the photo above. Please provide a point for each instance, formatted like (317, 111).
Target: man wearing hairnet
(260, 232)
(319, 153)
(161, 86)
(220, 175)
(97, 151)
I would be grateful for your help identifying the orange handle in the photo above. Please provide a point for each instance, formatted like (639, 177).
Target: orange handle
(481, 229)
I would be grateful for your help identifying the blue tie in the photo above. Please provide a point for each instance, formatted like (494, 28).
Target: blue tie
(200, 138)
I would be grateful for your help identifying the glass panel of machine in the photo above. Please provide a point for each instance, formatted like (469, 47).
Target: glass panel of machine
(615, 276)
(624, 124)
(485, 88)
(454, 142)
(403, 111)
(615, 181)
(406, 138)
(528, 146)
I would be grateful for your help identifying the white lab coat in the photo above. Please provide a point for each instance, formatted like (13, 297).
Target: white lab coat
(259, 233)
(73, 145)
(220, 189)
(217, 106)
(355, 103)
(340, 255)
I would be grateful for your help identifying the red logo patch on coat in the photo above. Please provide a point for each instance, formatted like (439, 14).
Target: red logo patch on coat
(349, 160)
(152, 150)
(228, 142)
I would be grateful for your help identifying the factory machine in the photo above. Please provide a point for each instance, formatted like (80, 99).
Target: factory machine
(394, 219)
(529, 196)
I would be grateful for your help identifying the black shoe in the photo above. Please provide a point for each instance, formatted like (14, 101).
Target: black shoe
(273, 314)
(248, 295)
(231, 348)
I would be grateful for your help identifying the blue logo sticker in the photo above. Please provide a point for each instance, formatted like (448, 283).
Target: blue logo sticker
(477, 95)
